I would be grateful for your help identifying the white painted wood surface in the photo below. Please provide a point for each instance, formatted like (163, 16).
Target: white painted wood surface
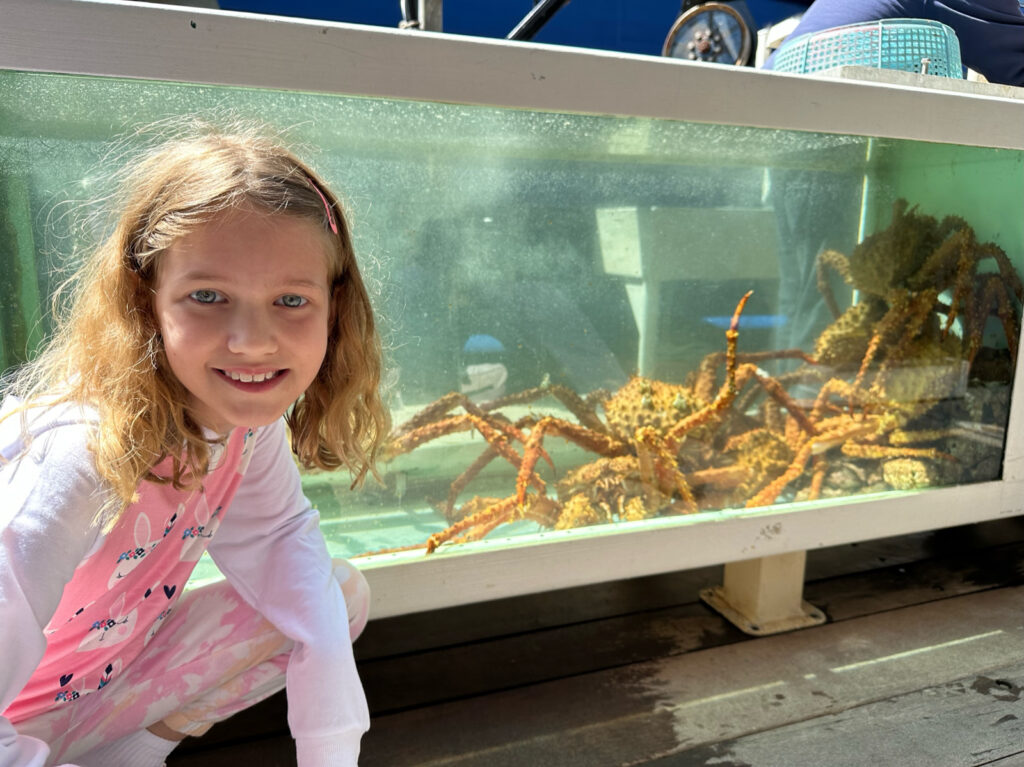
(107, 37)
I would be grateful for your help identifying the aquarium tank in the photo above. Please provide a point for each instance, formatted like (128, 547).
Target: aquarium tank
(592, 321)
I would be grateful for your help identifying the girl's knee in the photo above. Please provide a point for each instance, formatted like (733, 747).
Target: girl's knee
(357, 595)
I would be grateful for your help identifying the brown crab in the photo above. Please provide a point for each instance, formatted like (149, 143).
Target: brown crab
(898, 339)
(900, 273)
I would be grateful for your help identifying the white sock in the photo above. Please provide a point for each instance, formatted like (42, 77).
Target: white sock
(137, 749)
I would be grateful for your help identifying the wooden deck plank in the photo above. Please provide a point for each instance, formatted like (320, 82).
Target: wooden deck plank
(901, 585)
(641, 711)
(971, 722)
(529, 659)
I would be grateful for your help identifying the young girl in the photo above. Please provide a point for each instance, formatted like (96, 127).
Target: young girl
(151, 430)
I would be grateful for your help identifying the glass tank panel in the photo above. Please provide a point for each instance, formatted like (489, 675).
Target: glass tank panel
(560, 297)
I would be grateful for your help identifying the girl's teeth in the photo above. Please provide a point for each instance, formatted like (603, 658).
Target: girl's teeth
(247, 378)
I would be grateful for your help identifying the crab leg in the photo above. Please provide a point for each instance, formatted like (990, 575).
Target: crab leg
(720, 477)
(726, 394)
(430, 414)
(858, 450)
(658, 469)
(837, 261)
(461, 481)
(818, 477)
(496, 513)
(908, 314)
(497, 434)
(499, 443)
(960, 242)
(411, 440)
(993, 291)
(579, 407)
(777, 393)
(768, 495)
(913, 316)
(580, 435)
(706, 372)
(1006, 270)
(813, 446)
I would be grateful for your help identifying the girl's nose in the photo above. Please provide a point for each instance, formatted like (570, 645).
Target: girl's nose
(252, 332)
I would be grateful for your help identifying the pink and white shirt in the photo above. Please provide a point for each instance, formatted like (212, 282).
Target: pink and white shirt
(76, 606)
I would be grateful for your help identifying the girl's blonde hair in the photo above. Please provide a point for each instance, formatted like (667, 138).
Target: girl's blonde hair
(107, 351)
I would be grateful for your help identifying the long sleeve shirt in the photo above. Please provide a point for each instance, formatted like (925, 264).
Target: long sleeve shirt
(74, 601)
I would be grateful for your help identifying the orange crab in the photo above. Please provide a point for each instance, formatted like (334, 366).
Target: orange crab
(637, 473)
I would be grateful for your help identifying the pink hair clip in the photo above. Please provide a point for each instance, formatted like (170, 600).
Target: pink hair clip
(327, 207)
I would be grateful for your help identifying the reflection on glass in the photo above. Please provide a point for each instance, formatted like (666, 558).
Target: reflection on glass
(559, 293)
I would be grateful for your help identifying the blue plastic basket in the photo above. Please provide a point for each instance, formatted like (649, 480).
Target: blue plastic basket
(887, 44)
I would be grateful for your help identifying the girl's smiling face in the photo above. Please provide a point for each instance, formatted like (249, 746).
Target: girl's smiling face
(243, 305)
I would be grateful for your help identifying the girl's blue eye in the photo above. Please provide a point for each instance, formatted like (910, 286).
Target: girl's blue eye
(292, 301)
(204, 296)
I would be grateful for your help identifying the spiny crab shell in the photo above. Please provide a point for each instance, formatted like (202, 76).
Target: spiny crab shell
(892, 257)
(648, 402)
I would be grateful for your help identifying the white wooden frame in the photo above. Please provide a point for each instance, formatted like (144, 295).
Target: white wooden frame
(138, 40)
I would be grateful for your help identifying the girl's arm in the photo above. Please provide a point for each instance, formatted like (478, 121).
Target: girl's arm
(49, 496)
(270, 548)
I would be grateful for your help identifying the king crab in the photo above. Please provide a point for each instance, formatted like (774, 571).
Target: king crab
(906, 357)
(639, 470)
(900, 273)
